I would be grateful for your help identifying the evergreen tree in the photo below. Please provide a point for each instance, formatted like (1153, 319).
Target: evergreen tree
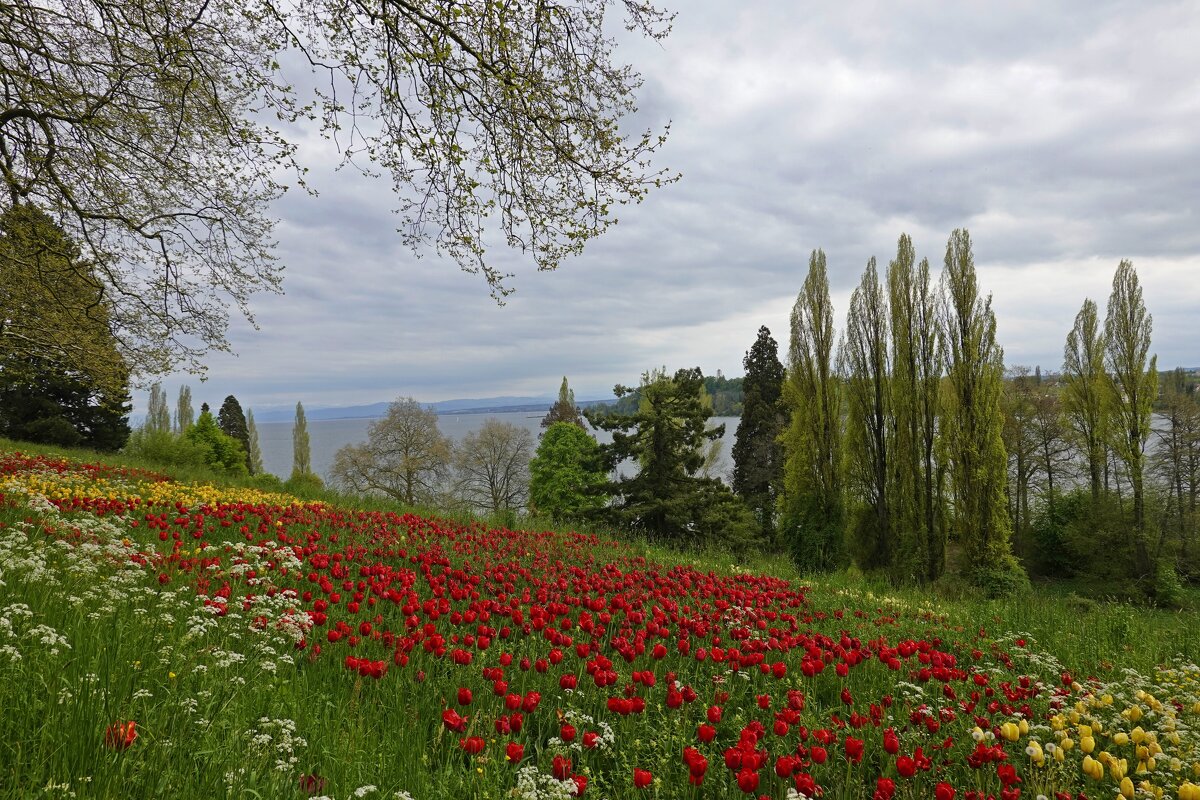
(233, 423)
(666, 438)
(158, 416)
(42, 402)
(811, 520)
(222, 452)
(917, 474)
(565, 477)
(185, 415)
(972, 420)
(301, 452)
(1132, 385)
(865, 368)
(1084, 392)
(757, 451)
(564, 408)
(255, 451)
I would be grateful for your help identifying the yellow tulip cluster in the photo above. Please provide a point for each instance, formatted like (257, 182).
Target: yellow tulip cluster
(192, 495)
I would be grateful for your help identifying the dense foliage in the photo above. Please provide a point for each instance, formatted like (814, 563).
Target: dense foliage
(565, 478)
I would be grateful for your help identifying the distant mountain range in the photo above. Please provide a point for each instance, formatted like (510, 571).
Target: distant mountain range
(481, 405)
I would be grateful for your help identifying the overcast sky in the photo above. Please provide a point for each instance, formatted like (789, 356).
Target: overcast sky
(1064, 136)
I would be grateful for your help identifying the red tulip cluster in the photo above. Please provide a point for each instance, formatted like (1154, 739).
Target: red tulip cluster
(522, 627)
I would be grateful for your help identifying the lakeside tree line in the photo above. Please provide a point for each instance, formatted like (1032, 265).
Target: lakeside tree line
(900, 445)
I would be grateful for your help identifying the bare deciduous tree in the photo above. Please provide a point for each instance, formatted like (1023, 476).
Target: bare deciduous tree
(405, 456)
(492, 466)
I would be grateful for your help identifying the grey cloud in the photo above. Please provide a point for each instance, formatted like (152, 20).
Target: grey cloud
(1061, 134)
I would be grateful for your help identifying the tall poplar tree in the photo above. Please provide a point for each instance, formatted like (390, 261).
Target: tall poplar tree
(972, 419)
(301, 451)
(918, 476)
(811, 519)
(757, 451)
(255, 450)
(864, 364)
(1132, 383)
(158, 415)
(185, 415)
(1084, 392)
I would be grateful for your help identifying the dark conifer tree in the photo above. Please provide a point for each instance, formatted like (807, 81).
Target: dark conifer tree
(232, 422)
(666, 437)
(757, 451)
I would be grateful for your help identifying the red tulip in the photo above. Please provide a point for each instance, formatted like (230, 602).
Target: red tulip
(121, 735)
(642, 778)
(944, 791)
(514, 752)
(464, 697)
(567, 732)
(561, 767)
(454, 721)
(747, 780)
(472, 744)
(706, 733)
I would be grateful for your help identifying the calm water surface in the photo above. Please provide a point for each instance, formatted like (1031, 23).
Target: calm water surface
(327, 436)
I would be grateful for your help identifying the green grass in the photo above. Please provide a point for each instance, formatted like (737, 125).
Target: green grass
(223, 705)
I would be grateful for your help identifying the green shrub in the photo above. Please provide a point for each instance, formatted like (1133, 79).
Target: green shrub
(304, 484)
(1168, 588)
(222, 452)
(1005, 578)
(266, 481)
(166, 449)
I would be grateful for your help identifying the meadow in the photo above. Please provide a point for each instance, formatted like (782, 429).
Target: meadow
(162, 637)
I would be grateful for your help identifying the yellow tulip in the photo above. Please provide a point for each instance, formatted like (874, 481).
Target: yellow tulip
(1024, 727)
(1093, 768)
(1120, 739)
(1085, 731)
(1138, 735)
(1087, 744)
(1010, 731)
(1127, 788)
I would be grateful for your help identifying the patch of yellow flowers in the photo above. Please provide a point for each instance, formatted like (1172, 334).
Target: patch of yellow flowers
(1140, 746)
(66, 486)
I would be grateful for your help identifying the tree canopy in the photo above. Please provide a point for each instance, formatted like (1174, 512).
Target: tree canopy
(405, 456)
(667, 437)
(757, 452)
(158, 133)
(565, 477)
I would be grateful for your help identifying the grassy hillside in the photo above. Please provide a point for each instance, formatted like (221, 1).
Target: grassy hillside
(162, 637)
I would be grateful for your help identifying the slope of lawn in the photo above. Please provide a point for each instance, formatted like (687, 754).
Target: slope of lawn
(160, 638)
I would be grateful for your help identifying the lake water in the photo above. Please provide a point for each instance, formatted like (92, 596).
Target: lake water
(327, 436)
